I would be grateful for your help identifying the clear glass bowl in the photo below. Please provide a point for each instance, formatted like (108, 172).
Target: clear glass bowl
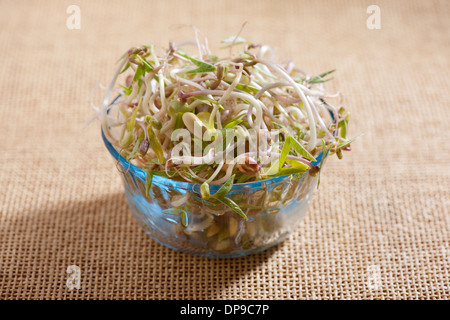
(274, 208)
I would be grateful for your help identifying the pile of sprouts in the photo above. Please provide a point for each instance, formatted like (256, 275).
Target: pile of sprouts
(162, 91)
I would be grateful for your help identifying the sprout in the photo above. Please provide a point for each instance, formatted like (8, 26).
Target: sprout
(247, 91)
(208, 97)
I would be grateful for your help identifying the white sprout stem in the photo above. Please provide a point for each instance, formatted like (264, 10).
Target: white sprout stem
(281, 109)
(215, 173)
(255, 103)
(91, 98)
(195, 103)
(166, 143)
(144, 128)
(174, 72)
(270, 86)
(270, 95)
(167, 125)
(189, 82)
(233, 85)
(296, 111)
(320, 120)
(331, 108)
(149, 94)
(105, 103)
(98, 116)
(227, 175)
(213, 115)
(265, 71)
(195, 175)
(199, 47)
(162, 90)
(312, 125)
(207, 158)
(152, 105)
(184, 43)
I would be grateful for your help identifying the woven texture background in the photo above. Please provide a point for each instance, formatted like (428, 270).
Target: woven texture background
(377, 228)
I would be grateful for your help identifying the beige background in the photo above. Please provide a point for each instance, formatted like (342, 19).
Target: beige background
(384, 207)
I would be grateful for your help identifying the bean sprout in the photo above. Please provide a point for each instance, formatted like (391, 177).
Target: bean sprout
(244, 92)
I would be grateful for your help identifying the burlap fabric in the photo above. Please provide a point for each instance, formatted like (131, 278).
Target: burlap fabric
(378, 227)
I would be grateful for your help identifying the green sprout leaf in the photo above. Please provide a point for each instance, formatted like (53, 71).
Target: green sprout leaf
(225, 125)
(209, 101)
(231, 204)
(273, 170)
(127, 90)
(184, 219)
(232, 124)
(173, 211)
(246, 88)
(128, 136)
(229, 40)
(220, 195)
(225, 188)
(148, 182)
(204, 191)
(276, 171)
(203, 67)
(140, 71)
(343, 126)
(300, 149)
(147, 66)
(156, 124)
(134, 152)
(321, 77)
(213, 58)
(178, 106)
(297, 164)
(284, 152)
(291, 170)
(155, 145)
(132, 122)
(347, 142)
(178, 121)
(125, 68)
(244, 178)
(200, 168)
(184, 215)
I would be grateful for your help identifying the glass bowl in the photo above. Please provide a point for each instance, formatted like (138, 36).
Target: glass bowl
(274, 208)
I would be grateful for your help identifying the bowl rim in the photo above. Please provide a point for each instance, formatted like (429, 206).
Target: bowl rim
(142, 174)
